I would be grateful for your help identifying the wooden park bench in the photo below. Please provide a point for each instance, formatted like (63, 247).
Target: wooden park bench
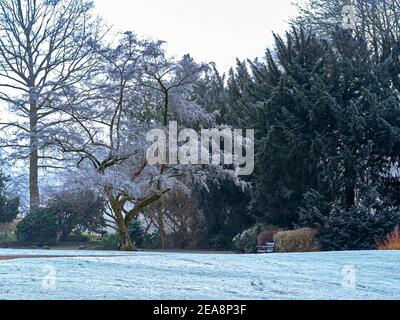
(268, 248)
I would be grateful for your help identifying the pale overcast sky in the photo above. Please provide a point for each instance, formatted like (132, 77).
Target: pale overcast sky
(210, 30)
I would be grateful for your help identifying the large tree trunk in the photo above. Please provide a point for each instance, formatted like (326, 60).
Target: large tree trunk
(34, 160)
(126, 243)
(34, 180)
(161, 230)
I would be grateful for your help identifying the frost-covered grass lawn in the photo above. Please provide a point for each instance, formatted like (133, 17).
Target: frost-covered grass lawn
(200, 276)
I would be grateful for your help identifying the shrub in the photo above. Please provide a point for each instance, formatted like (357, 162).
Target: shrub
(358, 228)
(78, 237)
(177, 219)
(136, 232)
(151, 241)
(301, 240)
(9, 207)
(247, 241)
(9, 227)
(38, 227)
(110, 242)
(267, 236)
(217, 241)
(392, 242)
(7, 237)
(77, 212)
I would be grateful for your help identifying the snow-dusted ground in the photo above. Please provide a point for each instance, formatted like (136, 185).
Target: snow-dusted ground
(182, 276)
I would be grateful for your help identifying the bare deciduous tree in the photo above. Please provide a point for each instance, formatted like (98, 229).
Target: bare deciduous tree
(177, 215)
(45, 50)
(135, 89)
(377, 21)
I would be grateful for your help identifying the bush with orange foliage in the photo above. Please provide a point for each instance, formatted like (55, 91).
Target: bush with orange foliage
(392, 242)
(300, 240)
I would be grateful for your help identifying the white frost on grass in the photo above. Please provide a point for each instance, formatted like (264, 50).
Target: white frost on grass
(183, 276)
